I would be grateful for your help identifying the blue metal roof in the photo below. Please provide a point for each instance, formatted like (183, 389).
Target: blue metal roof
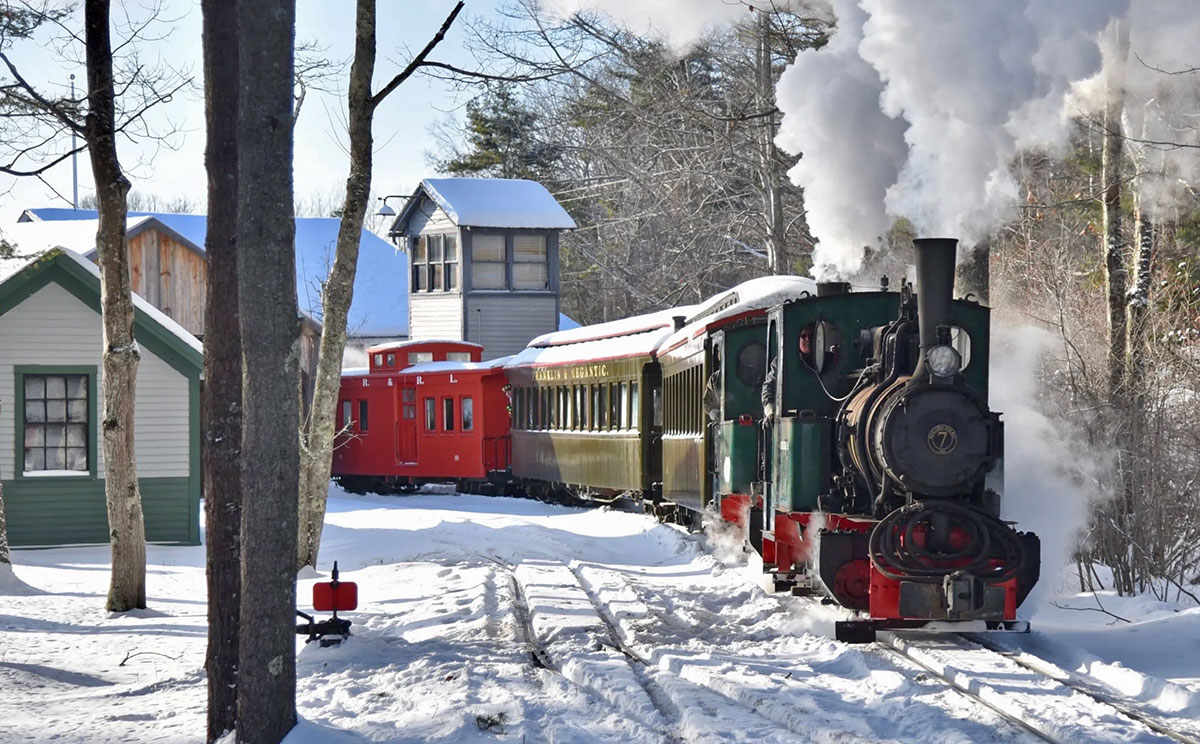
(380, 305)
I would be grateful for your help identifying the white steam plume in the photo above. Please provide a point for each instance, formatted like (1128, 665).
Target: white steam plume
(851, 150)
(1050, 475)
(964, 76)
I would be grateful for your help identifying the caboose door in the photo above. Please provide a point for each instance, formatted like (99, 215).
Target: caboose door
(406, 423)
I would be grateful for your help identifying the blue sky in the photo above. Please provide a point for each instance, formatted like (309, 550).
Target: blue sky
(401, 124)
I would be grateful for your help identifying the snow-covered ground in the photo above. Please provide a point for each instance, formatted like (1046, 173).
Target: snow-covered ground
(496, 619)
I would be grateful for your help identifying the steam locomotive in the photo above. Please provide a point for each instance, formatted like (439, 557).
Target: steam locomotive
(848, 433)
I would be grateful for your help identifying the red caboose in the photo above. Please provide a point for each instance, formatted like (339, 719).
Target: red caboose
(423, 412)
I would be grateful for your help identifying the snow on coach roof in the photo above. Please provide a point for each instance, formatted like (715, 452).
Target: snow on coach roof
(646, 334)
(496, 202)
(636, 336)
(750, 296)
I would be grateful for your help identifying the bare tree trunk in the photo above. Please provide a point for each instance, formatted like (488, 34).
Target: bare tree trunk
(772, 184)
(266, 232)
(316, 444)
(127, 588)
(1116, 281)
(317, 438)
(221, 407)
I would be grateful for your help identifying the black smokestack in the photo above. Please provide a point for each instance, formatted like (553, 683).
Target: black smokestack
(935, 286)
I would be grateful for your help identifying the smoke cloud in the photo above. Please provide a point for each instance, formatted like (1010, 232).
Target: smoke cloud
(678, 22)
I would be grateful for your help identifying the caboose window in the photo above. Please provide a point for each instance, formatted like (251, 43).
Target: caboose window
(458, 356)
(347, 410)
(416, 357)
(362, 415)
(379, 360)
(468, 414)
(391, 360)
(448, 413)
(430, 415)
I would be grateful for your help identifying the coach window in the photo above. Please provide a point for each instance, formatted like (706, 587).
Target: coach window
(532, 419)
(430, 415)
(656, 405)
(468, 414)
(529, 262)
(597, 410)
(603, 413)
(347, 413)
(362, 415)
(448, 413)
(635, 412)
(488, 262)
(621, 402)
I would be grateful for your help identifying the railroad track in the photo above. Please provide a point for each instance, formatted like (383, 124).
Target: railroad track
(1051, 704)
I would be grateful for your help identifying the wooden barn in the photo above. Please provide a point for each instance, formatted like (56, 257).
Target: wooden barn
(484, 261)
(51, 461)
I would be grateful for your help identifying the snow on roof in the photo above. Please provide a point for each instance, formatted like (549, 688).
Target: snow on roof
(428, 367)
(615, 328)
(380, 304)
(393, 345)
(756, 294)
(12, 266)
(495, 202)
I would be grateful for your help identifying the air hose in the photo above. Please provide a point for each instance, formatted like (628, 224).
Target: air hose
(897, 554)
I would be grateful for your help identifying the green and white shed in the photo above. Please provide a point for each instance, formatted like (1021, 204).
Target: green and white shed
(51, 460)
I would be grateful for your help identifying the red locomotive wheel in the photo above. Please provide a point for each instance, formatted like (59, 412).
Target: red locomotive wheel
(852, 584)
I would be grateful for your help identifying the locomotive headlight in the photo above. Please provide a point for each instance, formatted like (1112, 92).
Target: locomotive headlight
(943, 361)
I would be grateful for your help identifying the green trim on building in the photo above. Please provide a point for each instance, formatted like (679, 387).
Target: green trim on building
(58, 510)
(54, 266)
(19, 372)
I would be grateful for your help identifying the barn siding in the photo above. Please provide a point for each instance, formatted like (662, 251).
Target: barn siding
(53, 327)
(505, 322)
(170, 276)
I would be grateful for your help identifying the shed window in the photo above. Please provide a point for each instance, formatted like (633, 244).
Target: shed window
(448, 413)
(488, 262)
(529, 262)
(468, 414)
(57, 423)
